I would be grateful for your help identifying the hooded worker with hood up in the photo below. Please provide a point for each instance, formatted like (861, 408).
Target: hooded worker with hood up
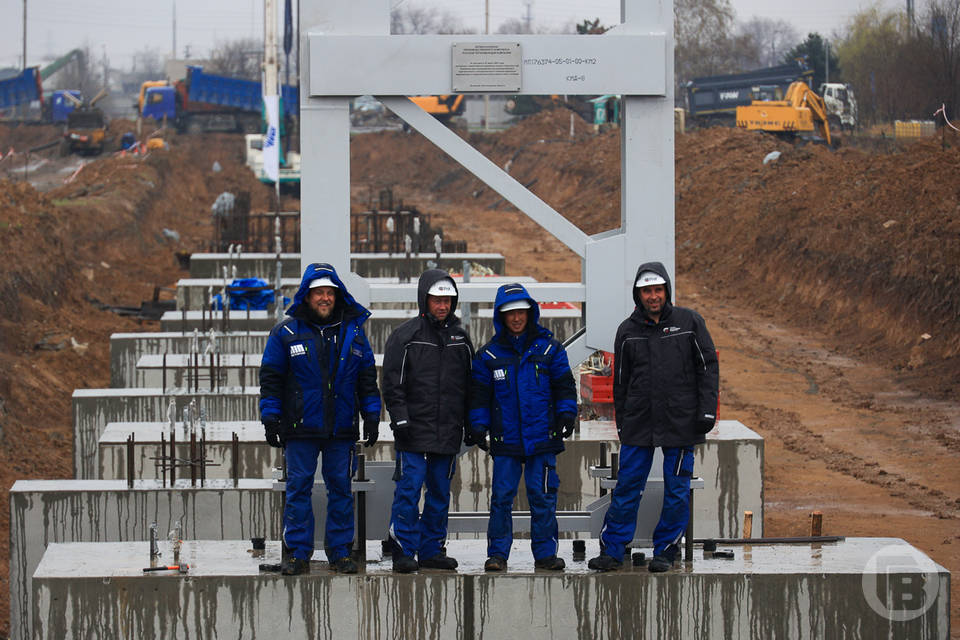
(317, 377)
(426, 379)
(665, 389)
(524, 395)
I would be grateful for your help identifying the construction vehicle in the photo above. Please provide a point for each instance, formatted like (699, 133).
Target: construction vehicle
(204, 102)
(57, 106)
(289, 162)
(443, 108)
(86, 129)
(23, 88)
(801, 112)
(713, 100)
(841, 105)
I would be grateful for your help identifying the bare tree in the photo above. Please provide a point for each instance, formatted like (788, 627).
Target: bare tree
(513, 25)
(702, 30)
(237, 58)
(82, 74)
(147, 65)
(408, 19)
(942, 38)
(770, 39)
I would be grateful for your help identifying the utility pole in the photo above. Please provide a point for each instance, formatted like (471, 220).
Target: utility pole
(174, 55)
(25, 34)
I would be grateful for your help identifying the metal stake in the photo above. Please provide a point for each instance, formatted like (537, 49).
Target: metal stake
(235, 459)
(130, 441)
(361, 507)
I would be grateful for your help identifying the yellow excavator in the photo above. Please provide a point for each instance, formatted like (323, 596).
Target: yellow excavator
(801, 111)
(443, 108)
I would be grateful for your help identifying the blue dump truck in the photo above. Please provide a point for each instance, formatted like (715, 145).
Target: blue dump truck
(713, 100)
(57, 106)
(205, 102)
(23, 88)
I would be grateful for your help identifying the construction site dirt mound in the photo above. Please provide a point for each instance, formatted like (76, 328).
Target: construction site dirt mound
(829, 279)
(106, 237)
(862, 241)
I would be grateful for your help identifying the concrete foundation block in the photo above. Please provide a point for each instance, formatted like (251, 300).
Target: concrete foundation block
(58, 511)
(126, 350)
(264, 265)
(562, 322)
(782, 591)
(93, 409)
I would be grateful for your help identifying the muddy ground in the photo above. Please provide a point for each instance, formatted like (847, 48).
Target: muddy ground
(828, 278)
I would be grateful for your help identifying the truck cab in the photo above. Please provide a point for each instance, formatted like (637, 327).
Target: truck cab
(289, 162)
(61, 106)
(841, 104)
(159, 102)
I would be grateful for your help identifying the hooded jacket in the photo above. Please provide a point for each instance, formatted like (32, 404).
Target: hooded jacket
(317, 377)
(521, 385)
(426, 377)
(666, 376)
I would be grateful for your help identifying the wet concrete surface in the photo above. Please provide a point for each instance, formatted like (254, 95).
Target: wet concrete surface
(796, 591)
(237, 558)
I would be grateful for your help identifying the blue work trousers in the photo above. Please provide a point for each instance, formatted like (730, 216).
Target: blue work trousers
(620, 523)
(421, 534)
(540, 476)
(337, 466)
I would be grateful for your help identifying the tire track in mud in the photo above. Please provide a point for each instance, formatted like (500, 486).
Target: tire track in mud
(798, 438)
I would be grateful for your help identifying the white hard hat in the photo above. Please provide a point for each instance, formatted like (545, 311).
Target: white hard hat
(442, 287)
(516, 304)
(649, 278)
(323, 282)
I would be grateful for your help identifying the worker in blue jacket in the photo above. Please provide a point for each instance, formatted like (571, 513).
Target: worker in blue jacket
(316, 378)
(524, 396)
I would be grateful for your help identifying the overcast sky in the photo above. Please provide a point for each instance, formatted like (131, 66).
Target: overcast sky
(120, 28)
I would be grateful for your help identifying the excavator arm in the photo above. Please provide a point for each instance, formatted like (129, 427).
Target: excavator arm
(802, 96)
(800, 111)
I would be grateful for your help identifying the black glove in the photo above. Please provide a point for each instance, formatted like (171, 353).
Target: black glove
(565, 424)
(705, 424)
(272, 429)
(400, 430)
(371, 431)
(478, 438)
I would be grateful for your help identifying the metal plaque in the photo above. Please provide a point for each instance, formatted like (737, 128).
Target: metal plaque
(488, 67)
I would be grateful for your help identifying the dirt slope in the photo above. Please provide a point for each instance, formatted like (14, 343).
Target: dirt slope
(817, 274)
(95, 240)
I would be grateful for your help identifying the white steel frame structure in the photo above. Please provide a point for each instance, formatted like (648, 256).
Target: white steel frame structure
(347, 50)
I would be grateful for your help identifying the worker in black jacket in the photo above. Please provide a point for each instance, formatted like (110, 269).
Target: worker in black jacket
(665, 387)
(426, 376)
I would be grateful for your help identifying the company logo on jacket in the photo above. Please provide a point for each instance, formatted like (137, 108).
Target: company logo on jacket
(671, 329)
(500, 374)
(297, 350)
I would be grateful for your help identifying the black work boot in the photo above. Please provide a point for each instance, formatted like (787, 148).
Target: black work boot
(603, 562)
(495, 563)
(344, 564)
(404, 564)
(659, 564)
(552, 563)
(294, 566)
(439, 561)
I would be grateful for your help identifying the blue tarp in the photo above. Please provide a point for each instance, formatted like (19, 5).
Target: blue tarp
(253, 300)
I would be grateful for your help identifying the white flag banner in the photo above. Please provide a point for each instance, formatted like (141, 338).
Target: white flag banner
(271, 140)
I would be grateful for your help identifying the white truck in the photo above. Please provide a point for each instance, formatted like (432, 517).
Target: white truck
(841, 105)
(289, 168)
